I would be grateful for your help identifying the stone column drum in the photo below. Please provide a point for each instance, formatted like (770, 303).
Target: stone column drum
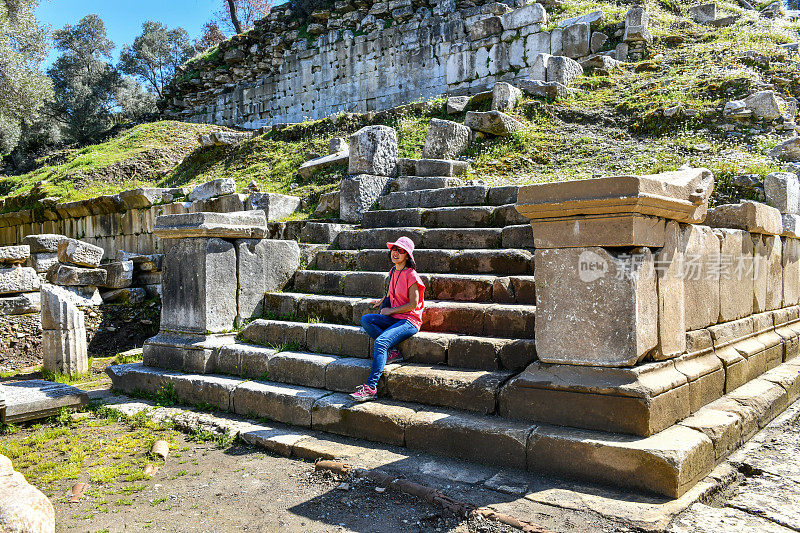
(64, 347)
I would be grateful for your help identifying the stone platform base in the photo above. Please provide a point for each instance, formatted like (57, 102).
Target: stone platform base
(34, 399)
(668, 463)
(193, 353)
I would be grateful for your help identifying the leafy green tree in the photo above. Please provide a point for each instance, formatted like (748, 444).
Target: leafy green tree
(134, 102)
(23, 86)
(155, 54)
(85, 83)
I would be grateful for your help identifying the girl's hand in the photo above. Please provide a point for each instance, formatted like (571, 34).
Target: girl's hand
(387, 311)
(376, 303)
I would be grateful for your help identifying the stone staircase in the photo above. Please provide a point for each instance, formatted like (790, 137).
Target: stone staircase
(451, 394)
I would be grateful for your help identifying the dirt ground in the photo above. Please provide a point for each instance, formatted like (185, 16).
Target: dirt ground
(206, 484)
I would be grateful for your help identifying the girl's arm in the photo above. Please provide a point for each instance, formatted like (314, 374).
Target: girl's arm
(413, 302)
(377, 303)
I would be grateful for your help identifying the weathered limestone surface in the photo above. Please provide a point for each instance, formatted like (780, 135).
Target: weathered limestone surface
(598, 230)
(45, 242)
(199, 286)
(748, 215)
(119, 274)
(313, 165)
(760, 273)
(64, 347)
(774, 272)
(243, 224)
(681, 195)
(669, 261)
(358, 195)
(211, 189)
(23, 507)
(61, 274)
(620, 291)
(15, 279)
(492, 122)
(782, 190)
(373, 150)
(35, 399)
(79, 253)
(263, 266)
(701, 250)
(275, 206)
(736, 277)
(14, 255)
(505, 96)
(445, 139)
(790, 266)
(21, 304)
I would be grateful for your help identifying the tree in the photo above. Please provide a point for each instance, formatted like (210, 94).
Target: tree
(211, 35)
(155, 54)
(23, 86)
(85, 82)
(239, 15)
(134, 102)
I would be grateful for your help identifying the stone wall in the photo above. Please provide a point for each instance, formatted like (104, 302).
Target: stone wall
(361, 58)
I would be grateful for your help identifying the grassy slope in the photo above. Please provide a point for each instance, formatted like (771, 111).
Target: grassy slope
(614, 125)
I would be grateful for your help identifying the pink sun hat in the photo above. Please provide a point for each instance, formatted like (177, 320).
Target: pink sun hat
(405, 243)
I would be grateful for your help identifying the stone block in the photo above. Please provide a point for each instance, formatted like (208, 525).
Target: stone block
(596, 230)
(774, 272)
(782, 190)
(492, 122)
(703, 13)
(563, 70)
(263, 266)
(311, 166)
(23, 507)
(227, 203)
(457, 104)
(359, 194)
(593, 18)
(524, 17)
(143, 197)
(668, 463)
(35, 399)
(470, 437)
(736, 279)
(328, 204)
(618, 287)
(641, 401)
(65, 351)
(14, 255)
(597, 42)
(575, 41)
(791, 226)
(681, 195)
(445, 139)
(637, 21)
(129, 295)
(701, 252)
(199, 286)
(42, 261)
(790, 266)
(79, 253)
(276, 333)
(373, 150)
(544, 89)
(788, 150)
(760, 271)
(748, 215)
(484, 28)
(43, 243)
(275, 206)
(383, 422)
(240, 225)
(21, 304)
(212, 189)
(243, 360)
(119, 274)
(721, 427)
(18, 279)
(505, 96)
(440, 167)
(61, 274)
(669, 262)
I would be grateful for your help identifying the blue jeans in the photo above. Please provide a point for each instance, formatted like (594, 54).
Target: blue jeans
(387, 332)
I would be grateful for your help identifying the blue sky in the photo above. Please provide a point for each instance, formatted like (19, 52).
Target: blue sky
(124, 18)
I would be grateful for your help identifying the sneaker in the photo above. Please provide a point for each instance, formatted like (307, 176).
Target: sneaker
(364, 393)
(393, 356)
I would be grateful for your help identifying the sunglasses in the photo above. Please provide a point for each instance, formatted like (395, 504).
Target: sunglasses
(398, 250)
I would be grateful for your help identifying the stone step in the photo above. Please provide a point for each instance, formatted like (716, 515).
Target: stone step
(415, 183)
(499, 262)
(483, 319)
(673, 460)
(321, 232)
(459, 388)
(457, 287)
(439, 238)
(449, 197)
(432, 167)
(445, 217)
(426, 347)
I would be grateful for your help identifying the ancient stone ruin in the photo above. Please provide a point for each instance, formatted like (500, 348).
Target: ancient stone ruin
(368, 57)
(595, 329)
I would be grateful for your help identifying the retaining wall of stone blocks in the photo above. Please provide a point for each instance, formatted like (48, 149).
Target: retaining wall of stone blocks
(372, 57)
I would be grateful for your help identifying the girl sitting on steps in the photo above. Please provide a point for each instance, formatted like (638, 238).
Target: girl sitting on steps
(400, 314)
